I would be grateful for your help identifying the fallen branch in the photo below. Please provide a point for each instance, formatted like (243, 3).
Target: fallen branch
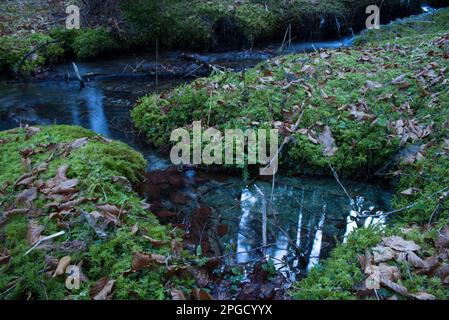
(81, 80)
(26, 56)
(60, 233)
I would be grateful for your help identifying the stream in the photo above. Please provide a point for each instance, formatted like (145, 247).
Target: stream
(308, 215)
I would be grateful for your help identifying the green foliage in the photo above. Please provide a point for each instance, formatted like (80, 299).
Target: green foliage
(13, 49)
(336, 277)
(199, 24)
(93, 42)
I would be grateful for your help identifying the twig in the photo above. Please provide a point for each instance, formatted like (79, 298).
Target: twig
(411, 206)
(287, 139)
(334, 172)
(60, 233)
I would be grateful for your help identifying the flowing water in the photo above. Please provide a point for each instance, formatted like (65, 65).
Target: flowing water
(306, 217)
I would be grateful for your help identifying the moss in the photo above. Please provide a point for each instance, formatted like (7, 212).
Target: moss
(93, 42)
(203, 24)
(340, 275)
(13, 49)
(94, 165)
(336, 277)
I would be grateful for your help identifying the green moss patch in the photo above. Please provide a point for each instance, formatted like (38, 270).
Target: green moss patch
(100, 175)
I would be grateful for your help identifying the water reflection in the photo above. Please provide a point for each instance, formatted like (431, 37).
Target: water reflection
(93, 98)
(308, 218)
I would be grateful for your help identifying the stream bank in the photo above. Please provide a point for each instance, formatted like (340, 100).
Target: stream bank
(101, 104)
(110, 27)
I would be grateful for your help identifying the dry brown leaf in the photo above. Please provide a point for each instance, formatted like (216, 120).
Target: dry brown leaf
(26, 197)
(102, 290)
(176, 247)
(328, 142)
(394, 287)
(373, 85)
(62, 265)
(34, 232)
(382, 253)
(415, 261)
(134, 229)
(73, 146)
(122, 181)
(141, 261)
(201, 294)
(422, 296)
(442, 272)
(31, 131)
(109, 208)
(155, 243)
(410, 191)
(71, 204)
(389, 272)
(5, 257)
(177, 294)
(399, 244)
(443, 238)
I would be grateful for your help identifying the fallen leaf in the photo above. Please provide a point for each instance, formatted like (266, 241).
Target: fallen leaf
(73, 146)
(141, 261)
(134, 229)
(391, 273)
(442, 272)
(109, 208)
(34, 232)
(410, 191)
(373, 85)
(201, 294)
(155, 243)
(328, 142)
(102, 289)
(31, 131)
(399, 244)
(415, 261)
(5, 257)
(62, 265)
(26, 197)
(422, 296)
(177, 294)
(382, 253)
(394, 286)
(443, 238)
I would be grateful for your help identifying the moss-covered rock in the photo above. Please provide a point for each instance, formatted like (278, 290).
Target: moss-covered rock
(96, 163)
